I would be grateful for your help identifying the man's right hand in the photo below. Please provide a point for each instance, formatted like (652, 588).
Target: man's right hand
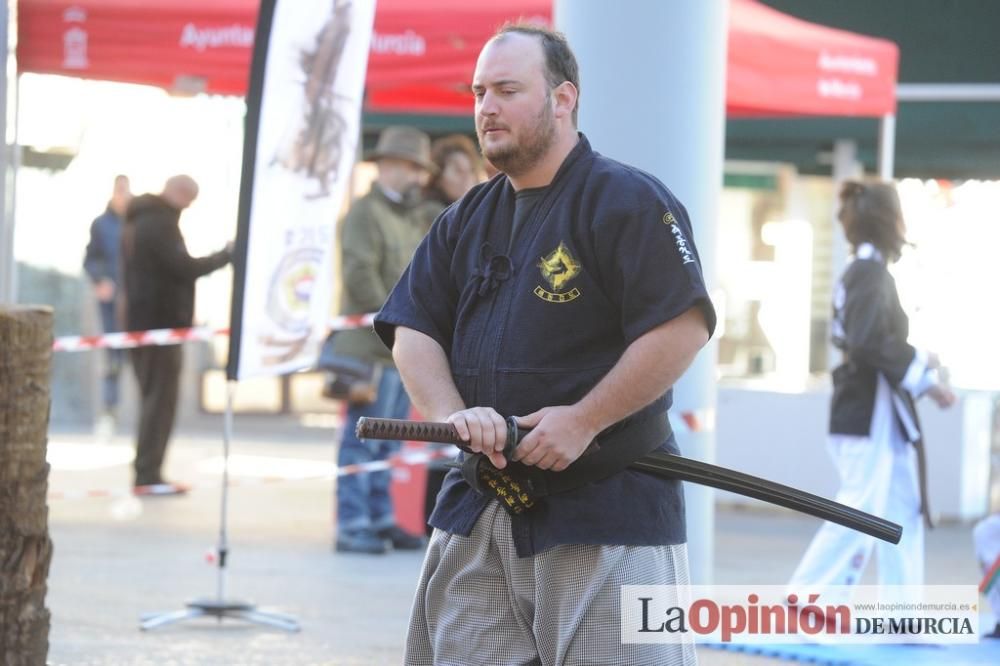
(484, 430)
(104, 290)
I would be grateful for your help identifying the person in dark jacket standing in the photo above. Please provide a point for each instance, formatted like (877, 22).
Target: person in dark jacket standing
(875, 439)
(565, 292)
(159, 277)
(101, 264)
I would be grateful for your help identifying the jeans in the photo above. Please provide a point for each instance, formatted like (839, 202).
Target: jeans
(113, 361)
(363, 500)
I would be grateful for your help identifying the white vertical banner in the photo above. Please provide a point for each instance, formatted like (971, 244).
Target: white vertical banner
(303, 116)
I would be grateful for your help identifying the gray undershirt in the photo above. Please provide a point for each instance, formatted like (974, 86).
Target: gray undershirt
(524, 205)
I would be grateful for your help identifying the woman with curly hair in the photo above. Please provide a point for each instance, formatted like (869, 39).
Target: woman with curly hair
(459, 168)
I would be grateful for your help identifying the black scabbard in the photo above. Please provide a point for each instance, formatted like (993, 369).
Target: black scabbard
(673, 466)
(668, 466)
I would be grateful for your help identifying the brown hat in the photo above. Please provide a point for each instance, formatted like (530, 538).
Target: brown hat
(405, 143)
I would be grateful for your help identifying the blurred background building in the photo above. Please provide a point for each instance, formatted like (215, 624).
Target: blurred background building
(778, 248)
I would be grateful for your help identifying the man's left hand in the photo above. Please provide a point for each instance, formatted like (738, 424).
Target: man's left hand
(558, 437)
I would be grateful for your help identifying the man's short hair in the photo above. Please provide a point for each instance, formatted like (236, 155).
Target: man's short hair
(560, 63)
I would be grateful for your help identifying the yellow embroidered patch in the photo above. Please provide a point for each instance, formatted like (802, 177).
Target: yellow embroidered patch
(505, 489)
(557, 298)
(558, 268)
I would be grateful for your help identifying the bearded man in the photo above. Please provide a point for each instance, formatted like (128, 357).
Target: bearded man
(567, 293)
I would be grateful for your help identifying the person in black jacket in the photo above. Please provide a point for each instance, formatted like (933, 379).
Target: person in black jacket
(159, 277)
(875, 437)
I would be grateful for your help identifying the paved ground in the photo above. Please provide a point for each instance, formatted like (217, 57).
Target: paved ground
(117, 557)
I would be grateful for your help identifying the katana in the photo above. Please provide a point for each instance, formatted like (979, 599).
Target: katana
(665, 465)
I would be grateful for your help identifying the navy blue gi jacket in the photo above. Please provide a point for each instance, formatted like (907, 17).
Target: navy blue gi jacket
(534, 321)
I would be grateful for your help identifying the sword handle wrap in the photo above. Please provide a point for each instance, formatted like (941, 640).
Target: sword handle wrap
(429, 431)
(417, 431)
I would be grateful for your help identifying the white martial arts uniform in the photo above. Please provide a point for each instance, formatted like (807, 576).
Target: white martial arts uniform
(878, 470)
(878, 474)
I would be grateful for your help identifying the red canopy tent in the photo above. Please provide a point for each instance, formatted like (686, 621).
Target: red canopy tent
(424, 51)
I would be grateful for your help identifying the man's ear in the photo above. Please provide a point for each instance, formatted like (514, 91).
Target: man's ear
(564, 95)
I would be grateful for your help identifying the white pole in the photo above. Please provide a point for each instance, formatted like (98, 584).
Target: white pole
(926, 92)
(948, 92)
(8, 104)
(845, 167)
(653, 95)
(887, 146)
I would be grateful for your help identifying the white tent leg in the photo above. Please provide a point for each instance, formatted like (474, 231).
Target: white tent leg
(887, 146)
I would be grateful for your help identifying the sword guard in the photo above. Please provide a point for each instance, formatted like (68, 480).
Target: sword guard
(514, 436)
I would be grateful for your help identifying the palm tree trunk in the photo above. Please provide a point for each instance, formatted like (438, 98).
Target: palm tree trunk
(25, 547)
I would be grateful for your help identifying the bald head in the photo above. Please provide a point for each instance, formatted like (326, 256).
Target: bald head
(558, 61)
(180, 191)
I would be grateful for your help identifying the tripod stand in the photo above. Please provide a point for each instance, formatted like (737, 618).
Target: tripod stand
(220, 607)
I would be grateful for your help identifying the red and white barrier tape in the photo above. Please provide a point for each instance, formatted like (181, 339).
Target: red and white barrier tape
(406, 457)
(173, 336)
(129, 339)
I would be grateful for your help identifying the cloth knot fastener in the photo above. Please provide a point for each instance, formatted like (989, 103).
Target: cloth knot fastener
(493, 270)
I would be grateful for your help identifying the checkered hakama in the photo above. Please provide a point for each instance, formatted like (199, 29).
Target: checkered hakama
(477, 603)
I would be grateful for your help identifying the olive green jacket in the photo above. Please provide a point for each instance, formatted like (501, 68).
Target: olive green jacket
(378, 238)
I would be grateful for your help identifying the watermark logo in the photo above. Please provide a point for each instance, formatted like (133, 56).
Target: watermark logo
(932, 614)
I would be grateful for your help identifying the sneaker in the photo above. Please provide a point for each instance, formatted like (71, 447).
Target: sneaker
(162, 489)
(360, 541)
(400, 539)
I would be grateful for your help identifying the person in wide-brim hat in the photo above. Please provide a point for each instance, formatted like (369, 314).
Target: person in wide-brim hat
(379, 234)
(405, 143)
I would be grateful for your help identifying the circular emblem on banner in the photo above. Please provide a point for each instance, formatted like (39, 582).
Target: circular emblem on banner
(290, 292)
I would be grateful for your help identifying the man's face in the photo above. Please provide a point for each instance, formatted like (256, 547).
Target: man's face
(401, 176)
(121, 195)
(514, 115)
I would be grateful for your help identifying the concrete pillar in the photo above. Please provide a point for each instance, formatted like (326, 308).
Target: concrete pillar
(653, 95)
